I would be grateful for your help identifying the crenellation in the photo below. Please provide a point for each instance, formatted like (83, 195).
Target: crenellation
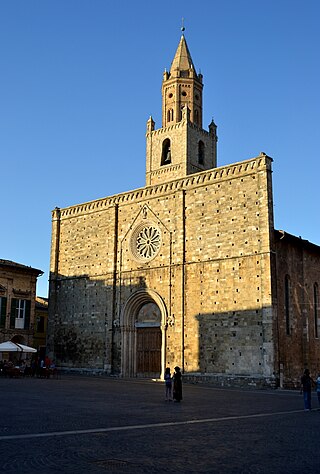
(185, 183)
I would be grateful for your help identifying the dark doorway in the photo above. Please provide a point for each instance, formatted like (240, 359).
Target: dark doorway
(148, 352)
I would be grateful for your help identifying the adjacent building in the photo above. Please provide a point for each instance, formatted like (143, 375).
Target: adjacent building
(17, 301)
(187, 270)
(40, 326)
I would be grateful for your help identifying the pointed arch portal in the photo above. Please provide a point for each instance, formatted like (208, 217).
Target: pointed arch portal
(143, 325)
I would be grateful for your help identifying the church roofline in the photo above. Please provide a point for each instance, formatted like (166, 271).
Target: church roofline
(298, 241)
(241, 168)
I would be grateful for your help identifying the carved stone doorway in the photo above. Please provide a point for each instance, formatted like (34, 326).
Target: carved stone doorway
(148, 336)
(143, 335)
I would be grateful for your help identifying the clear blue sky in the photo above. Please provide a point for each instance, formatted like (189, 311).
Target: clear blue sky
(79, 79)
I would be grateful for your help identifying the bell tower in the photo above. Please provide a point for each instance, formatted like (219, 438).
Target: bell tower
(181, 147)
(181, 87)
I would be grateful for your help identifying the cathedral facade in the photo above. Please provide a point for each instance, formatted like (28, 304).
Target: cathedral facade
(187, 270)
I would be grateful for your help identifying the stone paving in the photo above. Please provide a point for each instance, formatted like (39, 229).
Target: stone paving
(97, 424)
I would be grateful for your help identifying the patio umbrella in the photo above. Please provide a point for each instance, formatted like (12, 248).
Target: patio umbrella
(10, 346)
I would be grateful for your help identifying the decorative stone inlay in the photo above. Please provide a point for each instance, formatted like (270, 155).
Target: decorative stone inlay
(145, 241)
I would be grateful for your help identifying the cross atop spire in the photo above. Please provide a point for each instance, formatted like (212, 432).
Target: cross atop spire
(182, 25)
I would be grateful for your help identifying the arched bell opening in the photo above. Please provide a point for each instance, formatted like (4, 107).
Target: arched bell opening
(166, 152)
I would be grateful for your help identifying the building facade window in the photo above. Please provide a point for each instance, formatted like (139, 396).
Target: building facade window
(166, 152)
(20, 309)
(287, 303)
(315, 306)
(40, 324)
(20, 314)
(3, 311)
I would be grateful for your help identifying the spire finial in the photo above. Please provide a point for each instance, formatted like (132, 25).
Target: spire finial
(182, 25)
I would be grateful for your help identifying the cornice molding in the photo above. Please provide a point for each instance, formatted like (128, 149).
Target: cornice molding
(236, 170)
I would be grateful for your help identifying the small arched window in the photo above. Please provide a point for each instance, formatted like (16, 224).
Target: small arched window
(166, 152)
(196, 117)
(201, 153)
(287, 303)
(315, 305)
(181, 111)
(170, 115)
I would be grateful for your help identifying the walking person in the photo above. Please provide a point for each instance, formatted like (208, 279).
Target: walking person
(318, 388)
(306, 385)
(177, 385)
(168, 384)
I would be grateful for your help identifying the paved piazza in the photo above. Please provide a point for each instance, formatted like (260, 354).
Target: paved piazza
(96, 424)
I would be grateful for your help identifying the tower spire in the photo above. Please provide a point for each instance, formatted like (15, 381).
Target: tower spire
(182, 87)
(182, 61)
(181, 147)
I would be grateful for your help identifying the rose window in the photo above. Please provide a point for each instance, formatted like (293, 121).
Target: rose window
(146, 242)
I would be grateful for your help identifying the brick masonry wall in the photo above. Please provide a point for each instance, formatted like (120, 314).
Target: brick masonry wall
(300, 348)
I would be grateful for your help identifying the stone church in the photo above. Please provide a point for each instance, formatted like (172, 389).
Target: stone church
(187, 270)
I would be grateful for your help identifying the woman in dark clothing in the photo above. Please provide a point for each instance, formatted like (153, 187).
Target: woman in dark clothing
(177, 385)
(306, 385)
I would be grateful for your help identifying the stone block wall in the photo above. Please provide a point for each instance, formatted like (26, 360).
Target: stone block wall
(212, 272)
(155, 173)
(210, 160)
(184, 137)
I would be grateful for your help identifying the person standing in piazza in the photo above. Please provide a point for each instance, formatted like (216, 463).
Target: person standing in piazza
(168, 384)
(177, 385)
(306, 386)
(47, 362)
(318, 388)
